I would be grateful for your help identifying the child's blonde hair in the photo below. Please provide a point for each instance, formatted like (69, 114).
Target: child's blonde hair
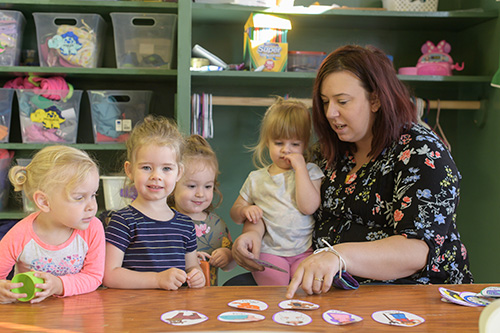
(155, 130)
(285, 119)
(53, 166)
(198, 151)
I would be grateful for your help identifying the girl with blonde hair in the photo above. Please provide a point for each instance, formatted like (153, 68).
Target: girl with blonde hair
(149, 245)
(283, 193)
(63, 241)
(194, 196)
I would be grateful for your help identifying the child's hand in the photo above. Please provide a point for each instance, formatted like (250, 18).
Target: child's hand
(171, 279)
(6, 295)
(203, 256)
(195, 278)
(296, 160)
(252, 213)
(221, 257)
(52, 285)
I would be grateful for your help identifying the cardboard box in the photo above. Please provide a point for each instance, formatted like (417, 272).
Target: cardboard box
(265, 42)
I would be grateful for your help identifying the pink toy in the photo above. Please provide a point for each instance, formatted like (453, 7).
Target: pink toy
(434, 61)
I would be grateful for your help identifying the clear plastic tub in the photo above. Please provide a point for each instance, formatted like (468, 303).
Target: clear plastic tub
(48, 120)
(28, 204)
(5, 159)
(144, 40)
(116, 112)
(12, 25)
(69, 39)
(411, 5)
(6, 96)
(304, 61)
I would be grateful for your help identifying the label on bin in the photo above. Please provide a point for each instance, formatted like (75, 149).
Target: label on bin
(127, 125)
(68, 113)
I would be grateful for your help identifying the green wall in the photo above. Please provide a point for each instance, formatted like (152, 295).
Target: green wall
(478, 157)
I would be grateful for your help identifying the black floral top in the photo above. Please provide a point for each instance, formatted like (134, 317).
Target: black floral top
(410, 189)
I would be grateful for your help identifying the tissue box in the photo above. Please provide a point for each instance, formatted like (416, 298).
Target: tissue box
(116, 112)
(6, 96)
(70, 40)
(116, 193)
(48, 116)
(12, 26)
(411, 5)
(265, 45)
(144, 40)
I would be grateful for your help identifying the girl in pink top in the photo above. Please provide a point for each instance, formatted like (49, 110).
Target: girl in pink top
(63, 242)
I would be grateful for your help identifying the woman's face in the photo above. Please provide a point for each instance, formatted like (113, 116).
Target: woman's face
(348, 108)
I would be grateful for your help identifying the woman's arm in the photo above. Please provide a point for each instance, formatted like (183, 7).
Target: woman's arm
(385, 259)
(247, 246)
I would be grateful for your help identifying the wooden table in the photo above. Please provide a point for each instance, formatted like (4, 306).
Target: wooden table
(112, 310)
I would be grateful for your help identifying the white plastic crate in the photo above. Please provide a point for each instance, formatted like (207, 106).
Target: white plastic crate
(411, 5)
(117, 194)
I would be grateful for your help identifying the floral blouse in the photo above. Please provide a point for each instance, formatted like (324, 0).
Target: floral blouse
(410, 189)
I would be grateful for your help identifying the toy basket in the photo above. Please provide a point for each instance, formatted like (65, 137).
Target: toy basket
(411, 5)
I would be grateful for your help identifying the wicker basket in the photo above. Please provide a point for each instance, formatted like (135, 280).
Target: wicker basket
(411, 5)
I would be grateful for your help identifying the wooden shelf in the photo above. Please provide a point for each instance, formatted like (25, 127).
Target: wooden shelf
(84, 146)
(456, 20)
(247, 77)
(97, 7)
(112, 73)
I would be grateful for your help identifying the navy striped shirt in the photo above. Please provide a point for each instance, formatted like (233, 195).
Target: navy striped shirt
(151, 245)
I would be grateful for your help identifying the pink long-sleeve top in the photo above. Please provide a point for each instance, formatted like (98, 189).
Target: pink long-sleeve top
(78, 262)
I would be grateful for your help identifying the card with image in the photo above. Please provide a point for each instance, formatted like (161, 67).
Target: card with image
(269, 265)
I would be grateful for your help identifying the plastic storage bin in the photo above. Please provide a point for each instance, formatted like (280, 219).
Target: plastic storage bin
(117, 194)
(5, 159)
(115, 112)
(49, 119)
(28, 205)
(12, 25)
(6, 96)
(411, 5)
(70, 40)
(143, 40)
(304, 61)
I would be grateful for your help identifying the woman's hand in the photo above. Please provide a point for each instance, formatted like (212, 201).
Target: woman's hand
(6, 295)
(315, 274)
(246, 248)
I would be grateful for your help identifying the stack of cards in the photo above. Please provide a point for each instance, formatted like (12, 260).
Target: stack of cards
(467, 298)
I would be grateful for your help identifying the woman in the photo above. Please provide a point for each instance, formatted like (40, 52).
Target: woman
(391, 188)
